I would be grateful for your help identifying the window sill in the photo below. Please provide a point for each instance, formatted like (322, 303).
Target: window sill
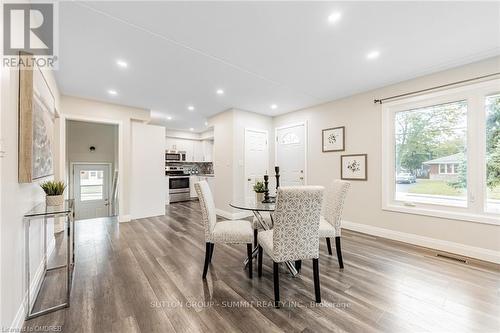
(426, 211)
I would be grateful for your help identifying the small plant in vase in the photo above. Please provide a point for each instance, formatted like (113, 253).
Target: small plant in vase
(54, 192)
(259, 191)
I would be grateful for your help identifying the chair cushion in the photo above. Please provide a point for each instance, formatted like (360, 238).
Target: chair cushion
(265, 239)
(326, 229)
(236, 231)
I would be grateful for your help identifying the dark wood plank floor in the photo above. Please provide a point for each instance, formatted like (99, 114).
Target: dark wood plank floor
(145, 276)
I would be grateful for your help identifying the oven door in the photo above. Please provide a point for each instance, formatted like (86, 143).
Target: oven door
(172, 157)
(178, 184)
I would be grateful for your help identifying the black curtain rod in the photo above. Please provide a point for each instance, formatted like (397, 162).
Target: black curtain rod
(380, 101)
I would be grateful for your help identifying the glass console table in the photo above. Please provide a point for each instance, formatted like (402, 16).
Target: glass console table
(43, 212)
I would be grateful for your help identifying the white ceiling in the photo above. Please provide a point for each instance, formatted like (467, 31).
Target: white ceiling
(260, 53)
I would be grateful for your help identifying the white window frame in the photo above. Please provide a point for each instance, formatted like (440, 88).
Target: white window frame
(475, 95)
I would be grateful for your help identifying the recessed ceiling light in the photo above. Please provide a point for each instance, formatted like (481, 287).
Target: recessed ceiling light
(274, 106)
(112, 92)
(334, 17)
(169, 118)
(191, 108)
(121, 63)
(206, 123)
(191, 129)
(373, 54)
(220, 92)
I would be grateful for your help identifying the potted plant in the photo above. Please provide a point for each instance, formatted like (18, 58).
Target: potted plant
(54, 192)
(259, 191)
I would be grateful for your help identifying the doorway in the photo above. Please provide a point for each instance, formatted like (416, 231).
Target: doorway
(291, 148)
(92, 188)
(256, 158)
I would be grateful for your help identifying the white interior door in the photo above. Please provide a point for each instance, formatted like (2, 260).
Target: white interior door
(256, 159)
(291, 154)
(91, 190)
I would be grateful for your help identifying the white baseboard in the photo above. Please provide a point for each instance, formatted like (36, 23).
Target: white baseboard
(35, 285)
(232, 216)
(438, 244)
(124, 218)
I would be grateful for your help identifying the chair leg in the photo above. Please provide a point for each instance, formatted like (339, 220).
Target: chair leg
(259, 263)
(329, 245)
(339, 252)
(298, 265)
(207, 259)
(255, 232)
(317, 290)
(250, 259)
(276, 272)
(212, 246)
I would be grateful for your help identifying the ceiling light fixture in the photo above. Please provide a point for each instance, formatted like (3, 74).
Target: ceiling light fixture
(334, 17)
(220, 92)
(206, 123)
(373, 55)
(169, 118)
(112, 92)
(274, 106)
(191, 129)
(191, 108)
(121, 63)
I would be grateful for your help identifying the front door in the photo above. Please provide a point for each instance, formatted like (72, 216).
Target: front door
(91, 190)
(291, 154)
(256, 159)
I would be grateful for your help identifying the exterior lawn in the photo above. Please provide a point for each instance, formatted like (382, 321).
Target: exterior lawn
(440, 187)
(435, 187)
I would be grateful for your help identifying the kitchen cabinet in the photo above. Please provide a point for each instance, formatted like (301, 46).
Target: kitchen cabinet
(207, 147)
(196, 150)
(192, 190)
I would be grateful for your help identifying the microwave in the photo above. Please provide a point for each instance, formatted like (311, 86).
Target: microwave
(175, 156)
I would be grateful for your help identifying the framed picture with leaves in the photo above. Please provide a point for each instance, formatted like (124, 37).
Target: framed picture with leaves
(333, 139)
(354, 167)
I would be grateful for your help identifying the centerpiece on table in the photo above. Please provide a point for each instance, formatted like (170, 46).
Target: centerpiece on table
(54, 191)
(259, 191)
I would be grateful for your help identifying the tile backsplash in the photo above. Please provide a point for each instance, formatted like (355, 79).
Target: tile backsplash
(202, 168)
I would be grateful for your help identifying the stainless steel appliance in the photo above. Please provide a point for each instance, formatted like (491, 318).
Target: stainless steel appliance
(178, 184)
(175, 156)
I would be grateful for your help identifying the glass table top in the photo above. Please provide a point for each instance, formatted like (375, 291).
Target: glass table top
(42, 209)
(251, 204)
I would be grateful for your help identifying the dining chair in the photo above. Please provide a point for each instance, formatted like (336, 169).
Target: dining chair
(224, 232)
(295, 236)
(330, 224)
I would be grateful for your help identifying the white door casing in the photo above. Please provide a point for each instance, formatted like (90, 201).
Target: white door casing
(91, 186)
(291, 154)
(256, 158)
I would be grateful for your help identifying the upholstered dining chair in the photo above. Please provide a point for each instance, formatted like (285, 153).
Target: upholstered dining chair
(295, 236)
(225, 232)
(330, 224)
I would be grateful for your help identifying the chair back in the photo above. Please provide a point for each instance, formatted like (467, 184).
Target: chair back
(296, 223)
(334, 203)
(207, 208)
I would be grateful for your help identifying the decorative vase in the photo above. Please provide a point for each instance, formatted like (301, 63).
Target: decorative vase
(259, 196)
(54, 200)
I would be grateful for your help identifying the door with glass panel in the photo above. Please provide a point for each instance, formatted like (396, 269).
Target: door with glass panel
(91, 190)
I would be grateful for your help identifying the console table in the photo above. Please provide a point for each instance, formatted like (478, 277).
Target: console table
(43, 212)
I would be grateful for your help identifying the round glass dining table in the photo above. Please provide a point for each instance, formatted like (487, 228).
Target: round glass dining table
(256, 208)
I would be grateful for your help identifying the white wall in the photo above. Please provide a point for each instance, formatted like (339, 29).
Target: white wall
(16, 200)
(88, 110)
(362, 119)
(147, 177)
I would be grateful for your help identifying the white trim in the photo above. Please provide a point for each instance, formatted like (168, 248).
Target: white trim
(36, 284)
(437, 244)
(306, 146)
(233, 216)
(124, 218)
(121, 149)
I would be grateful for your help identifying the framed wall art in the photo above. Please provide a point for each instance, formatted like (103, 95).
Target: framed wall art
(354, 167)
(333, 139)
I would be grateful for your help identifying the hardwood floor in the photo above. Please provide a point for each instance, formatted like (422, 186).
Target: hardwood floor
(145, 276)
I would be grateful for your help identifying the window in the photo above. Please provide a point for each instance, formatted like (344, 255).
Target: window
(492, 106)
(435, 148)
(91, 185)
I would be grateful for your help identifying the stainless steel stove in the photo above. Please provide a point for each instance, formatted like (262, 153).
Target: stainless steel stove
(178, 184)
